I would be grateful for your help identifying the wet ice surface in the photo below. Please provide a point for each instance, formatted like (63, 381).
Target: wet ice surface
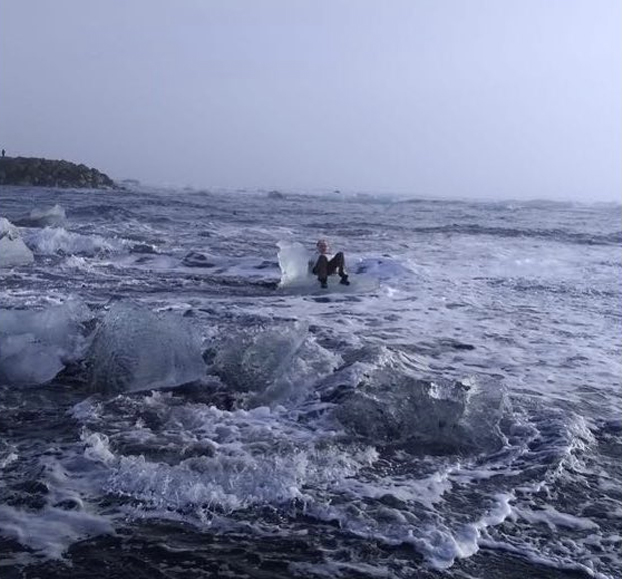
(168, 404)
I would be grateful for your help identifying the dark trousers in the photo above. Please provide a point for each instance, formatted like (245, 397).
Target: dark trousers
(325, 267)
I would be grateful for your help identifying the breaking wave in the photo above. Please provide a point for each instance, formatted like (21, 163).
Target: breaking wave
(59, 241)
(52, 217)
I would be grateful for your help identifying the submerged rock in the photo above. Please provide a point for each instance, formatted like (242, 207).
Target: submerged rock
(32, 171)
(275, 195)
(196, 259)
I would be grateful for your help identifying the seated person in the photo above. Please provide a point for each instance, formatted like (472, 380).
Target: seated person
(325, 266)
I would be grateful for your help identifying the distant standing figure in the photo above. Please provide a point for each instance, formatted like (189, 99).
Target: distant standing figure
(325, 266)
(3, 152)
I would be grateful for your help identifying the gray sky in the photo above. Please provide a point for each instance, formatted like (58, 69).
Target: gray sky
(493, 98)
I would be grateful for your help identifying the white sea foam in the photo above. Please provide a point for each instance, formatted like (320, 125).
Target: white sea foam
(544, 557)
(50, 531)
(97, 448)
(554, 519)
(76, 262)
(227, 461)
(66, 514)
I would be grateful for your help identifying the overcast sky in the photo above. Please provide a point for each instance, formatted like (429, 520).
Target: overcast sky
(492, 98)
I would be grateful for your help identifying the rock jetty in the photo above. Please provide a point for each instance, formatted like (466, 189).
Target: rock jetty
(31, 171)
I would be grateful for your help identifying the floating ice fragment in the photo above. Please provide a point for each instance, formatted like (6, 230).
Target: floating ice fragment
(24, 360)
(386, 398)
(277, 364)
(13, 251)
(294, 262)
(36, 345)
(136, 349)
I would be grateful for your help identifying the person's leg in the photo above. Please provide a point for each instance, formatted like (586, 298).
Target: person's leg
(321, 269)
(338, 264)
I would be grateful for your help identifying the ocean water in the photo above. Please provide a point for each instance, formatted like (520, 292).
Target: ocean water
(169, 409)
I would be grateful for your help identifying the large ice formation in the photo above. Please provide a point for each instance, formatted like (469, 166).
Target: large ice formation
(136, 349)
(294, 262)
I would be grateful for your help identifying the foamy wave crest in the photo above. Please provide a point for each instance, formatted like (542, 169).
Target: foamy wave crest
(75, 262)
(52, 217)
(52, 241)
(228, 481)
(135, 349)
(220, 462)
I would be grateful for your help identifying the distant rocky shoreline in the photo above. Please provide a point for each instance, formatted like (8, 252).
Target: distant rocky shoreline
(32, 171)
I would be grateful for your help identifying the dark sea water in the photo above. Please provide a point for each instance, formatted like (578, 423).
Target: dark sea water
(169, 408)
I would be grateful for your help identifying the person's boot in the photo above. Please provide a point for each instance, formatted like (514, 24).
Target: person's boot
(323, 283)
(344, 280)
